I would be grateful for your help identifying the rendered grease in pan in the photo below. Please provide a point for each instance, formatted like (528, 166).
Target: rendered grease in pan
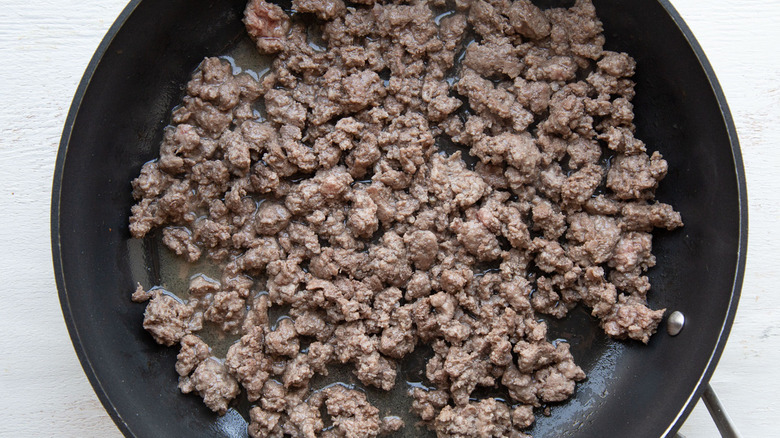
(375, 209)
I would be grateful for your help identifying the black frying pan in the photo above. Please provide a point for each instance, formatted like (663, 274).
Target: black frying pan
(115, 125)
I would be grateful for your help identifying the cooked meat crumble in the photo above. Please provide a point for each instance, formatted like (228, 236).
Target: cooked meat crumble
(416, 179)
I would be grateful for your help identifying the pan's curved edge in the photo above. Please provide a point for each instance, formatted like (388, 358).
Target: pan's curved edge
(743, 219)
(62, 288)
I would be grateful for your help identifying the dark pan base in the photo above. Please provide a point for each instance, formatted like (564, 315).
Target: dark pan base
(115, 125)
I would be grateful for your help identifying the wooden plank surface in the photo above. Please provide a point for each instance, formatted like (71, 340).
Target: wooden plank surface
(45, 46)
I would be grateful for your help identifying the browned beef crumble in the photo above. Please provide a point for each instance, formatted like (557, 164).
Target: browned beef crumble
(340, 204)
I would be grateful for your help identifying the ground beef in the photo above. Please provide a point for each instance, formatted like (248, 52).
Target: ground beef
(213, 382)
(487, 418)
(168, 319)
(267, 24)
(248, 362)
(193, 352)
(397, 180)
(351, 413)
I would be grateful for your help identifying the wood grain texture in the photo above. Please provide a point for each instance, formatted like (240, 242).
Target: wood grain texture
(45, 46)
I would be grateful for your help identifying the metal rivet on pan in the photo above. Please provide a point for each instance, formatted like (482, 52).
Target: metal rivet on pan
(675, 323)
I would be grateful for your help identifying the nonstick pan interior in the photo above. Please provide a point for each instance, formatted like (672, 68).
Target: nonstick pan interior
(115, 125)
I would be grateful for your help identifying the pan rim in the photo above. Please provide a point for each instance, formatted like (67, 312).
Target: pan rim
(89, 368)
(84, 360)
(739, 170)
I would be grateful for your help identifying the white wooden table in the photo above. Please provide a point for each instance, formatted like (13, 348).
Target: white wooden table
(45, 46)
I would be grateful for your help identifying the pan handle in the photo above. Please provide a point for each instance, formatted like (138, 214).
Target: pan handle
(719, 416)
